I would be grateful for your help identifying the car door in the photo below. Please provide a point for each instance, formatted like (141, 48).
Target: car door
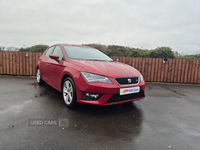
(56, 68)
(44, 64)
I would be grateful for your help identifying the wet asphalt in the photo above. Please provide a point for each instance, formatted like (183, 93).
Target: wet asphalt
(167, 118)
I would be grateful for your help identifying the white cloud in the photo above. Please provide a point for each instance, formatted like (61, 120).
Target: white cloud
(134, 23)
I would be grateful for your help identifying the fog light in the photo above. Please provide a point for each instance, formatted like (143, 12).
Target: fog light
(91, 96)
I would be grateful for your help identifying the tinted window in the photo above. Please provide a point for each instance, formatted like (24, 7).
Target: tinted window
(85, 53)
(58, 51)
(49, 51)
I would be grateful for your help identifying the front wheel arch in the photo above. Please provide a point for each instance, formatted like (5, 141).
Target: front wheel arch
(63, 79)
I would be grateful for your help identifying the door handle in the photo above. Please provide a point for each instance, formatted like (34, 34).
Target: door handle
(47, 64)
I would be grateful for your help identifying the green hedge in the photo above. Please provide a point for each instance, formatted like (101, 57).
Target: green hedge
(113, 50)
(35, 48)
(197, 56)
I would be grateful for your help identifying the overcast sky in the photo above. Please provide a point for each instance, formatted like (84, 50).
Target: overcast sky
(143, 24)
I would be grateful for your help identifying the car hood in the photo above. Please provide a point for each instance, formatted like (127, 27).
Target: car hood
(109, 69)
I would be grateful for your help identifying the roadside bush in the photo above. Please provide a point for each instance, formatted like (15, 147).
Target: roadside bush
(122, 51)
(162, 52)
(114, 50)
(133, 53)
(197, 56)
(35, 48)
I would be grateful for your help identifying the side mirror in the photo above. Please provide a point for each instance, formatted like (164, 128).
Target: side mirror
(55, 57)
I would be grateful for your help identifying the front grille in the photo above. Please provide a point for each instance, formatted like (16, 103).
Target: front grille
(127, 81)
(119, 98)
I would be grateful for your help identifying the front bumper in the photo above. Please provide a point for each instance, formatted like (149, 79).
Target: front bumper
(108, 93)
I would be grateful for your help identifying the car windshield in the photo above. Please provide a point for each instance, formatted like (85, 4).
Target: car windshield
(85, 53)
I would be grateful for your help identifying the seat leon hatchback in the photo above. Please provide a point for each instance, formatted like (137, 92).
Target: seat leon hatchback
(86, 75)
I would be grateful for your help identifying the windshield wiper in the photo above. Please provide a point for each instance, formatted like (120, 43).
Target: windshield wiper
(97, 60)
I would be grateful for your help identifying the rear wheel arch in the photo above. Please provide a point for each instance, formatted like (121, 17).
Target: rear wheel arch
(39, 77)
(37, 68)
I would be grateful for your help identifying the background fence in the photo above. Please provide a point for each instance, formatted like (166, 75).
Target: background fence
(172, 71)
(153, 69)
(18, 63)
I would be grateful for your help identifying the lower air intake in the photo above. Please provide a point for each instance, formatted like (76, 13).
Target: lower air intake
(119, 98)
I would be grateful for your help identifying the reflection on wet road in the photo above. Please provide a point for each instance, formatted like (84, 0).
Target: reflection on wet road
(166, 117)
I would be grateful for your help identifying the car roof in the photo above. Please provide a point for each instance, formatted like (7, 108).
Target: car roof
(63, 44)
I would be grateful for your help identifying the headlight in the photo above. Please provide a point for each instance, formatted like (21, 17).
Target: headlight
(141, 78)
(89, 77)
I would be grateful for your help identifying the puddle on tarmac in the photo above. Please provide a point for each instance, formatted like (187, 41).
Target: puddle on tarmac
(35, 84)
(43, 93)
(122, 121)
(178, 93)
(117, 121)
(15, 109)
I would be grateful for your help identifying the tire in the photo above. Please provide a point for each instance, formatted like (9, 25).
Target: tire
(39, 78)
(69, 93)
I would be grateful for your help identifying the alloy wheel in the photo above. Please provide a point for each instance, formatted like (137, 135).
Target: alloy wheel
(68, 92)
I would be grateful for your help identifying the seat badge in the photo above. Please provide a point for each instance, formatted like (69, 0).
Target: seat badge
(129, 80)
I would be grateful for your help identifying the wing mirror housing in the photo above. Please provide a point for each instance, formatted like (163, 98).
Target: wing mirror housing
(55, 57)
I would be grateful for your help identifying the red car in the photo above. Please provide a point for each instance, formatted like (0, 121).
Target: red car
(86, 75)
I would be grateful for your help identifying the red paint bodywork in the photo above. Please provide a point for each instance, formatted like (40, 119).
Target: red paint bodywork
(53, 73)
